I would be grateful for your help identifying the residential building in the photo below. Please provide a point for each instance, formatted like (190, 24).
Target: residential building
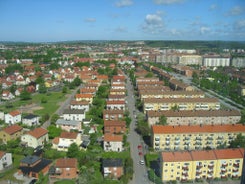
(178, 85)
(114, 126)
(11, 132)
(113, 142)
(190, 59)
(194, 137)
(201, 164)
(35, 138)
(63, 142)
(238, 62)
(13, 117)
(194, 117)
(115, 105)
(64, 168)
(181, 104)
(113, 114)
(31, 120)
(215, 61)
(112, 168)
(84, 97)
(74, 114)
(31, 166)
(81, 105)
(5, 160)
(7, 95)
(68, 125)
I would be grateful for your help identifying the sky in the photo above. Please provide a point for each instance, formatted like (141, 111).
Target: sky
(68, 20)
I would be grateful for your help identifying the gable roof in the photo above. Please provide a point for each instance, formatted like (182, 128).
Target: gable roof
(112, 162)
(68, 135)
(2, 153)
(66, 163)
(113, 138)
(15, 113)
(38, 132)
(12, 129)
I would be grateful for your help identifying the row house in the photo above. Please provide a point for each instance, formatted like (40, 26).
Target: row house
(84, 97)
(201, 164)
(147, 79)
(149, 83)
(172, 94)
(118, 86)
(153, 88)
(80, 105)
(13, 117)
(74, 114)
(181, 104)
(113, 114)
(194, 137)
(11, 132)
(116, 97)
(64, 168)
(31, 166)
(68, 125)
(115, 105)
(63, 142)
(117, 92)
(195, 117)
(178, 85)
(113, 142)
(114, 127)
(112, 168)
(5, 160)
(118, 78)
(88, 91)
(35, 138)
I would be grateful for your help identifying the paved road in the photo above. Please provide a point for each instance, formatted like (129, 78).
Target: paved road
(63, 106)
(223, 100)
(140, 171)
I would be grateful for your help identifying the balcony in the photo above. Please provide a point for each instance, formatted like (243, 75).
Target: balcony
(157, 138)
(234, 175)
(185, 173)
(156, 144)
(199, 166)
(210, 177)
(223, 176)
(198, 177)
(210, 171)
(185, 168)
(198, 172)
(187, 138)
(198, 138)
(235, 170)
(223, 170)
(236, 165)
(167, 138)
(210, 166)
(224, 164)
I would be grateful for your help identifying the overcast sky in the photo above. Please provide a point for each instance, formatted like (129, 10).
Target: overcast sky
(63, 20)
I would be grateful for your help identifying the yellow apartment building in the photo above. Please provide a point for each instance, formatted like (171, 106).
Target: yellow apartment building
(181, 103)
(195, 137)
(201, 164)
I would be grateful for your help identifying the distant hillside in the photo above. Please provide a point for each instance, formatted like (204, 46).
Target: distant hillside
(197, 44)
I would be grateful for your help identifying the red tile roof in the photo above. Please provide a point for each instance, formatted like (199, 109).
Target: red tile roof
(2, 153)
(180, 156)
(161, 129)
(66, 163)
(228, 153)
(15, 113)
(113, 138)
(203, 155)
(38, 132)
(68, 135)
(12, 129)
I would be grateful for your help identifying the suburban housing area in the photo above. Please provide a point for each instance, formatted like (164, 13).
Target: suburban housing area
(121, 112)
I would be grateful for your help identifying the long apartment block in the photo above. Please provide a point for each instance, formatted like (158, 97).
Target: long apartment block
(194, 117)
(171, 94)
(205, 164)
(181, 103)
(196, 137)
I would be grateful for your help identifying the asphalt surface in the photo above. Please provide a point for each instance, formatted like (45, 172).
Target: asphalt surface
(140, 170)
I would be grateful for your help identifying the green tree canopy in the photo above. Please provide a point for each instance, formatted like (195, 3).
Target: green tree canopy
(73, 151)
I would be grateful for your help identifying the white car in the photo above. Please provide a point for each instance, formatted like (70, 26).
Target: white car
(142, 162)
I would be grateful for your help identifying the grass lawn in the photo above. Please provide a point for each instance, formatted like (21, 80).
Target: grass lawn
(52, 103)
(9, 175)
(65, 182)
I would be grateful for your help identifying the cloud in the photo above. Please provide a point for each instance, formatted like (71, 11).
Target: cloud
(123, 3)
(121, 29)
(236, 10)
(90, 20)
(204, 30)
(166, 2)
(212, 7)
(239, 25)
(153, 24)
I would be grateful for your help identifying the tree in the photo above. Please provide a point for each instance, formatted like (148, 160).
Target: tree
(25, 95)
(42, 88)
(54, 118)
(73, 151)
(163, 120)
(239, 142)
(53, 131)
(64, 89)
(242, 121)
(77, 81)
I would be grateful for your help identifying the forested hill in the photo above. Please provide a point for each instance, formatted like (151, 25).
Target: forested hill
(197, 44)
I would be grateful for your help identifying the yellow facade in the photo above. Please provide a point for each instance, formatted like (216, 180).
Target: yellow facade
(177, 168)
(185, 137)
